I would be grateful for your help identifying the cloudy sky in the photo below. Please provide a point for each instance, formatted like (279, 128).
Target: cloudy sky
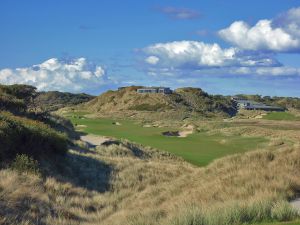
(222, 46)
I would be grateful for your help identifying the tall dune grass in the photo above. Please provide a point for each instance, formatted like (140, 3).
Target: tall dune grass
(108, 186)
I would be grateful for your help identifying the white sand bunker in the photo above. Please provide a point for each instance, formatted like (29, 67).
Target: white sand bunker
(188, 129)
(117, 123)
(81, 126)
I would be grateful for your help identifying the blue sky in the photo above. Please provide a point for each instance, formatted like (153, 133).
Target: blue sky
(92, 45)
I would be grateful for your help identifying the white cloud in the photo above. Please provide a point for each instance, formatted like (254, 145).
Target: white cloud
(183, 59)
(278, 71)
(152, 60)
(75, 75)
(281, 34)
(197, 55)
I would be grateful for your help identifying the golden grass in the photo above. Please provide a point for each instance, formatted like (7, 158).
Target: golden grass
(108, 186)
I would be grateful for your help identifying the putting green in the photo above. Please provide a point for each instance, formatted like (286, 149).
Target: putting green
(198, 148)
(281, 116)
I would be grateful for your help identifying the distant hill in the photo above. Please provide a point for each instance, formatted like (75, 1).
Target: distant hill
(182, 103)
(54, 100)
(18, 98)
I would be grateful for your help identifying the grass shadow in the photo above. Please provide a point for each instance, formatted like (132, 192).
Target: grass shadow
(79, 170)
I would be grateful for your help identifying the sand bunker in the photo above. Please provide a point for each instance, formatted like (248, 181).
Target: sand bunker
(117, 123)
(171, 133)
(81, 126)
(188, 129)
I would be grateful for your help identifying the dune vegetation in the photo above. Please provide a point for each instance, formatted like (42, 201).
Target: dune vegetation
(129, 184)
(182, 103)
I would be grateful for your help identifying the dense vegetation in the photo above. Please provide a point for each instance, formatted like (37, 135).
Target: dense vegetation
(16, 98)
(19, 135)
(53, 100)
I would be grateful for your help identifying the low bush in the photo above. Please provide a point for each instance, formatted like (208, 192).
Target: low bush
(25, 164)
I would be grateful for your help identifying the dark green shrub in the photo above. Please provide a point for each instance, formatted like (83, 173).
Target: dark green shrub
(25, 164)
(19, 135)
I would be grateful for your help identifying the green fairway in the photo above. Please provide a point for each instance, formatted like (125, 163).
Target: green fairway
(281, 116)
(198, 148)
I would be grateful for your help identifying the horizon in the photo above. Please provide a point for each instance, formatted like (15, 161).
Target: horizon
(236, 48)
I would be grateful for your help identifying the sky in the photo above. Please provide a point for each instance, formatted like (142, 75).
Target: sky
(222, 46)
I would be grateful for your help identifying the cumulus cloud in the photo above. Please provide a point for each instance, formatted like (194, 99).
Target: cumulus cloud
(74, 75)
(197, 55)
(183, 59)
(179, 13)
(281, 34)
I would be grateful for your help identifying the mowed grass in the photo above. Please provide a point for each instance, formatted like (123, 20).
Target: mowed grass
(198, 148)
(281, 116)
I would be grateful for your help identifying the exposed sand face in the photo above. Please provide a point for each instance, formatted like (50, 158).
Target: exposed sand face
(94, 140)
(189, 129)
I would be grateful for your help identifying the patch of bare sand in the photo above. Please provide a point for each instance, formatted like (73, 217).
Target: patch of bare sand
(188, 129)
(94, 139)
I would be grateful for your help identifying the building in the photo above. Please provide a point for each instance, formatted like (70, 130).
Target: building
(252, 105)
(153, 90)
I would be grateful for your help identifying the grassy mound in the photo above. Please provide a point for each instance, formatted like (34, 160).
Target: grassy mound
(184, 102)
(15, 98)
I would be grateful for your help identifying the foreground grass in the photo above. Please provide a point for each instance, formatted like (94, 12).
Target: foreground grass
(198, 148)
(131, 185)
(281, 116)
